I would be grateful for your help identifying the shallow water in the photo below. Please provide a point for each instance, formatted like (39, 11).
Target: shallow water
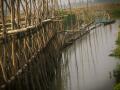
(86, 65)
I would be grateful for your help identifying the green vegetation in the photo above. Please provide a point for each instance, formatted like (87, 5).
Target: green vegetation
(69, 19)
(117, 76)
(117, 87)
(116, 53)
(115, 13)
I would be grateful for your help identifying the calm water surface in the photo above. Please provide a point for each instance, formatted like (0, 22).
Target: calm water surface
(86, 65)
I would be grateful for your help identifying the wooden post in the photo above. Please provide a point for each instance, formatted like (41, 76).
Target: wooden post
(3, 62)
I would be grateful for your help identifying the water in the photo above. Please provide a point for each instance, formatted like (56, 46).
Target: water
(86, 65)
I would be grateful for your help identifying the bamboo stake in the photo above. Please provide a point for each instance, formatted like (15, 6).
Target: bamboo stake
(38, 11)
(12, 15)
(61, 4)
(52, 8)
(7, 5)
(47, 7)
(70, 5)
(30, 12)
(2, 63)
(22, 6)
(18, 13)
(35, 12)
(43, 8)
(26, 14)
(12, 28)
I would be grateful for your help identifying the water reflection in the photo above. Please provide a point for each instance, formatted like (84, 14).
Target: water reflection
(86, 65)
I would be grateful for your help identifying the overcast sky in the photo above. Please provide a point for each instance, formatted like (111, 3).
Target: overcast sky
(101, 1)
(65, 2)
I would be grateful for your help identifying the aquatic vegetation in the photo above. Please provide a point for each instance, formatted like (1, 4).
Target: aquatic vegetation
(116, 51)
(117, 87)
(118, 40)
(117, 73)
(117, 77)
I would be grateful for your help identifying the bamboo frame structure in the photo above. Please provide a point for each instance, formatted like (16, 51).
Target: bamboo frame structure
(23, 32)
(26, 28)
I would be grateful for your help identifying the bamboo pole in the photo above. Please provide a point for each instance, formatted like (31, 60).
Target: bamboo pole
(12, 28)
(69, 3)
(18, 13)
(47, 10)
(43, 2)
(7, 5)
(26, 14)
(52, 8)
(22, 6)
(3, 62)
(38, 12)
(61, 4)
(30, 12)
(12, 15)
(35, 12)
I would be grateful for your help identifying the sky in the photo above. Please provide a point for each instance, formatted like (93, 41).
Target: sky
(107, 0)
(99, 1)
(65, 2)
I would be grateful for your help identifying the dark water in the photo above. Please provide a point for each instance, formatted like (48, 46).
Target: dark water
(86, 65)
